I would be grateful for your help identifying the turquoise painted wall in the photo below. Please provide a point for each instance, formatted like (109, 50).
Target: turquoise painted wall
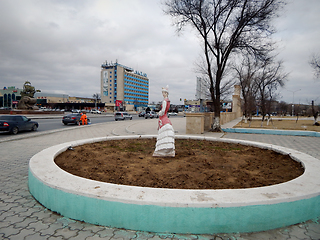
(173, 219)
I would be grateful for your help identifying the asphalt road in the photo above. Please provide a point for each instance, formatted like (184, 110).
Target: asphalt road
(55, 123)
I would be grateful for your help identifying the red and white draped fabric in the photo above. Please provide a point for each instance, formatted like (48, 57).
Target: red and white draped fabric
(165, 140)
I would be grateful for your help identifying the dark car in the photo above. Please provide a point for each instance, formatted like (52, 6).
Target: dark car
(17, 123)
(73, 118)
(142, 114)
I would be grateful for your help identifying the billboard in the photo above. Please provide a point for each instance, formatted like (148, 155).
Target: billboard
(105, 83)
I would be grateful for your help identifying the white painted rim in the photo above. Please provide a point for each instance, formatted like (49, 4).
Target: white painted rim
(42, 167)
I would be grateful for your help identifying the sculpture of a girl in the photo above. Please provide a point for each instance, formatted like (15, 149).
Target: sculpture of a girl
(165, 140)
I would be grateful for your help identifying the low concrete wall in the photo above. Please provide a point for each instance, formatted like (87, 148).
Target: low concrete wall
(198, 123)
(194, 123)
(226, 117)
(208, 120)
(197, 211)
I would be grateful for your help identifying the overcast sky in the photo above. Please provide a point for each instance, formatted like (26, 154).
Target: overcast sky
(59, 46)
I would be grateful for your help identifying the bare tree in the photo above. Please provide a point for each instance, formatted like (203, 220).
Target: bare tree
(315, 64)
(226, 28)
(269, 79)
(245, 73)
(315, 113)
(259, 81)
(96, 97)
(283, 108)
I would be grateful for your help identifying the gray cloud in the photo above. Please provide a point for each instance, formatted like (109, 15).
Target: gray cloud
(60, 45)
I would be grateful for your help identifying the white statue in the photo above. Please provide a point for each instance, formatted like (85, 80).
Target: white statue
(165, 139)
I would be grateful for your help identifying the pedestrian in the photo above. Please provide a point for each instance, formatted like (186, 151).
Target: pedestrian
(84, 119)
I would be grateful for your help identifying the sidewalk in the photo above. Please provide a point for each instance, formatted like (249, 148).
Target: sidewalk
(21, 217)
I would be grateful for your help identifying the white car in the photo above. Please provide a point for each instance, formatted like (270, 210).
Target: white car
(172, 114)
(95, 111)
(122, 116)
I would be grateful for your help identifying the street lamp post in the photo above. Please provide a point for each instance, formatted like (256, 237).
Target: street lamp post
(293, 99)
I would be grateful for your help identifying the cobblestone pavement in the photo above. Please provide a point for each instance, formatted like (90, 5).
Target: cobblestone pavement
(21, 217)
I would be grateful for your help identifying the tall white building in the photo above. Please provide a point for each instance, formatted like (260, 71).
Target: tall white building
(121, 85)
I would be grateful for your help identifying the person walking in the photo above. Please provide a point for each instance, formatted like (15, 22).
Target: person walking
(84, 118)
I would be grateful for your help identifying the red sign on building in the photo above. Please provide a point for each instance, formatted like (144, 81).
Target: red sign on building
(118, 103)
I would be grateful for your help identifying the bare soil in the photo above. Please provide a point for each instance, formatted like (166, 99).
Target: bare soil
(197, 165)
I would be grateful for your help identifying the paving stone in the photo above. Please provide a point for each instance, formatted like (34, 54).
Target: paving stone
(124, 234)
(13, 219)
(56, 238)
(65, 221)
(9, 230)
(36, 236)
(268, 235)
(25, 223)
(107, 233)
(97, 237)
(91, 227)
(5, 214)
(298, 232)
(164, 235)
(184, 236)
(315, 227)
(5, 224)
(313, 230)
(76, 225)
(7, 206)
(22, 234)
(19, 209)
(38, 226)
(29, 212)
(51, 229)
(156, 237)
(51, 218)
(144, 235)
(66, 233)
(82, 235)
(42, 215)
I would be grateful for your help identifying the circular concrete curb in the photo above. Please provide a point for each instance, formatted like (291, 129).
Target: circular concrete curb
(176, 210)
(273, 132)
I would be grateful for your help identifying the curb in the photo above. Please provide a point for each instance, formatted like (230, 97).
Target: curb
(273, 132)
(176, 210)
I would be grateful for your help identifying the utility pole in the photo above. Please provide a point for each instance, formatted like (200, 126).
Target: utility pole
(293, 100)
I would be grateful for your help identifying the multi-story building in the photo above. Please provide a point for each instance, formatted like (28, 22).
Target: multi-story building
(9, 97)
(122, 86)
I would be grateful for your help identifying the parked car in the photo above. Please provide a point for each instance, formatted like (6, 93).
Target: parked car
(17, 123)
(151, 114)
(142, 114)
(122, 116)
(172, 114)
(5, 108)
(95, 111)
(73, 118)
